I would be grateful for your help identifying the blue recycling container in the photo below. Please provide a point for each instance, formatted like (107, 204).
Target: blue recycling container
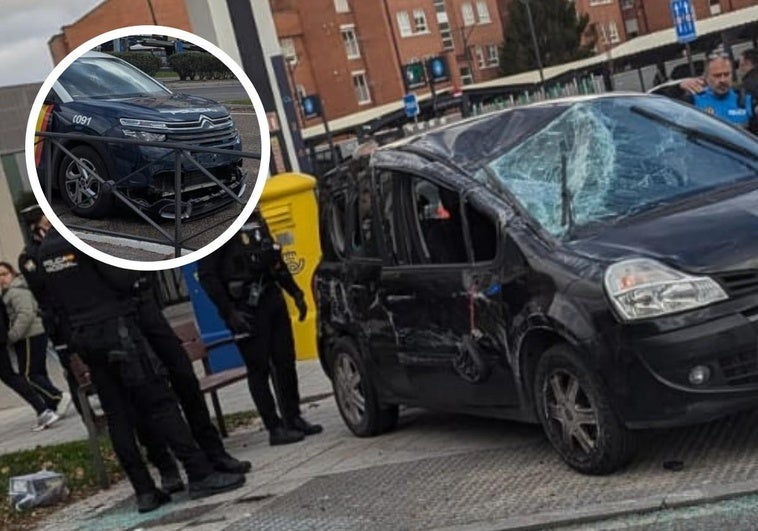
(210, 324)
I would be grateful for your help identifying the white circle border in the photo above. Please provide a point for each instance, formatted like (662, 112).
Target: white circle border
(156, 265)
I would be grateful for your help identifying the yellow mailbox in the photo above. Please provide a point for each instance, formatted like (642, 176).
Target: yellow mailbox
(290, 208)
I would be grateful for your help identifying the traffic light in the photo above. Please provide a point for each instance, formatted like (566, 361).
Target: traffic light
(414, 75)
(311, 106)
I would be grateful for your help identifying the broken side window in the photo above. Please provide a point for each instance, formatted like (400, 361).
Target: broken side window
(363, 233)
(437, 219)
(389, 216)
(483, 233)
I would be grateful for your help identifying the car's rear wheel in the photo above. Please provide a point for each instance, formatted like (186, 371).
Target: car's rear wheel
(82, 192)
(356, 395)
(574, 409)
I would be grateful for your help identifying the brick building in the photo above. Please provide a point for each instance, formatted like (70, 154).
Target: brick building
(350, 52)
(615, 21)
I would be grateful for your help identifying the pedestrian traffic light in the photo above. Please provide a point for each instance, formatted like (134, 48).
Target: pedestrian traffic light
(414, 75)
(311, 106)
(437, 69)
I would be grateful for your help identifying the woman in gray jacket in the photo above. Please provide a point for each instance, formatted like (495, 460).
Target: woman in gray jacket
(28, 338)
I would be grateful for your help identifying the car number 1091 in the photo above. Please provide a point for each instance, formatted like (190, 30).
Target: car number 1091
(80, 119)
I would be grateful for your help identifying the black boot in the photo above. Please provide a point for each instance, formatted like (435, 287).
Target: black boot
(281, 435)
(227, 463)
(300, 424)
(151, 500)
(215, 483)
(171, 481)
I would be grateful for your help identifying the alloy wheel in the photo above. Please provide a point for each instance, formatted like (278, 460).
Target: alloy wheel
(571, 412)
(82, 187)
(349, 389)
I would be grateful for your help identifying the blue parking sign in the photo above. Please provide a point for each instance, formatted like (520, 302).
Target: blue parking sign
(410, 104)
(683, 16)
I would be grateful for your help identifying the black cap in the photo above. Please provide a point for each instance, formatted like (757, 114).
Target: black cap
(31, 214)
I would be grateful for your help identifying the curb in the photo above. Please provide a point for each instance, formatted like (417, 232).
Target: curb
(606, 511)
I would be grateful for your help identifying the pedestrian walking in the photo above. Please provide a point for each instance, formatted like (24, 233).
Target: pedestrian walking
(27, 337)
(245, 278)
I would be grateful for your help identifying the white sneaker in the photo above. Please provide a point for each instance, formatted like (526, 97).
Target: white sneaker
(45, 419)
(64, 405)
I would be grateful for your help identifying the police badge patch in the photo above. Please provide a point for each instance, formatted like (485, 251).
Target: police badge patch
(30, 266)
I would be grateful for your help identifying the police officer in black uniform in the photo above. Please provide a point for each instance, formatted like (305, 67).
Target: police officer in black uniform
(157, 451)
(243, 278)
(97, 306)
(168, 348)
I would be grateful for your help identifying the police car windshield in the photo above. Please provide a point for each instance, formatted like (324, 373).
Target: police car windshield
(101, 77)
(611, 158)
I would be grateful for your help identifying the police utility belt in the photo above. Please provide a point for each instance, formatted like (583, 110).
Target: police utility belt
(246, 291)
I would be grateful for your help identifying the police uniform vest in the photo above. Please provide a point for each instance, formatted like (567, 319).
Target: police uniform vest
(250, 254)
(733, 107)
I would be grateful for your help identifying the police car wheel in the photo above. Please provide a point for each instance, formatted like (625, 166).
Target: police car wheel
(80, 189)
(356, 396)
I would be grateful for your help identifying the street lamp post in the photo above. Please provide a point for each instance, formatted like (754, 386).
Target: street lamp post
(534, 41)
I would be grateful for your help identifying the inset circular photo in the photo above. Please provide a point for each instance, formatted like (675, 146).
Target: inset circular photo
(147, 147)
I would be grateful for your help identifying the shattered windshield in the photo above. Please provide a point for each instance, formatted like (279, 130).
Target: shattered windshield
(610, 158)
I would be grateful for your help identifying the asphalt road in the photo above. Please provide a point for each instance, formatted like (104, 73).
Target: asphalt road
(197, 233)
(222, 91)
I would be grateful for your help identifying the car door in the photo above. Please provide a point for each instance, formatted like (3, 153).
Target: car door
(438, 297)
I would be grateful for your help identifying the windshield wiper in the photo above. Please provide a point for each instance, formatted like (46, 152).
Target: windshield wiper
(567, 215)
(690, 132)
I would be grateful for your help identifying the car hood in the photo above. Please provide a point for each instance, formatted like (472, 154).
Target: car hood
(720, 236)
(168, 108)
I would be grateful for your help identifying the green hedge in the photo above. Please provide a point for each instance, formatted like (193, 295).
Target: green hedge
(145, 61)
(198, 65)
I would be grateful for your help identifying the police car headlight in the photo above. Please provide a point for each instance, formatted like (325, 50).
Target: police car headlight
(643, 288)
(147, 136)
(142, 124)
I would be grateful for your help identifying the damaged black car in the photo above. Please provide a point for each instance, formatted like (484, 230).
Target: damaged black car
(590, 264)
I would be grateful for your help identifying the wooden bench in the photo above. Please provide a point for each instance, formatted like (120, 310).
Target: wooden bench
(211, 381)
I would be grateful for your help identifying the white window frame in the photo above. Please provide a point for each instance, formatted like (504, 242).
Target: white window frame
(341, 6)
(632, 25)
(599, 2)
(288, 50)
(481, 61)
(362, 92)
(493, 55)
(613, 32)
(404, 24)
(420, 24)
(350, 41)
(467, 14)
(467, 76)
(483, 12)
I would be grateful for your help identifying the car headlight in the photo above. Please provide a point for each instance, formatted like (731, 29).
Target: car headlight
(142, 124)
(642, 288)
(147, 136)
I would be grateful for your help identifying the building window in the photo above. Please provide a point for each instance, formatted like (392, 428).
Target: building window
(613, 32)
(468, 14)
(350, 41)
(493, 55)
(419, 21)
(479, 52)
(439, 7)
(632, 27)
(361, 88)
(715, 7)
(288, 50)
(447, 37)
(627, 4)
(483, 12)
(404, 23)
(341, 6)
(467, 77)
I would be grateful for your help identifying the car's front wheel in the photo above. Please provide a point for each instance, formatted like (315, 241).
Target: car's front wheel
(574, 409)
(356, 396)
(82, 192)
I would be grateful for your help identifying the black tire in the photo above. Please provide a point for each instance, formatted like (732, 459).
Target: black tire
(83, 193)
(356, 395)
(574, 409)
